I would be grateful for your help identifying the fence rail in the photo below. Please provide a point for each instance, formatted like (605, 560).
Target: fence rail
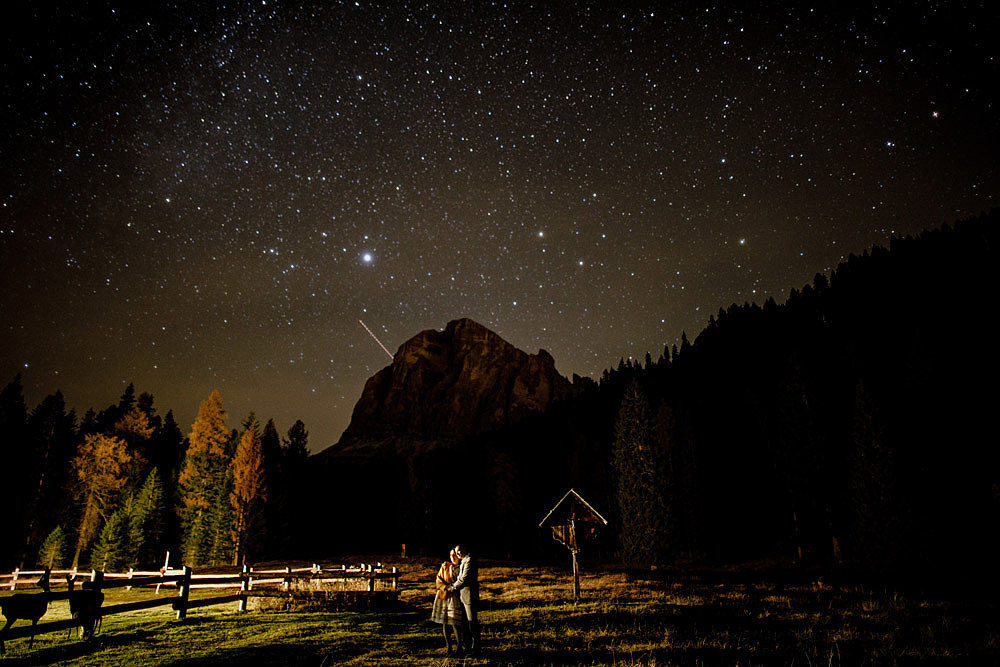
(249, 582)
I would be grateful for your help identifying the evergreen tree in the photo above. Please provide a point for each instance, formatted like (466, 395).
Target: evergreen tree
(127, 400)
(296, 446)
(291, 505)
(877, 536)
(639, 459)
(197, 538)
(54, 550)
(147, 522)
(204, 465)
(52, 441)
(167, 455)
(89, 425)
(111, 552)
(167, 452)
(270, 443)
(109, 417)
(219, 534)
(270, 536)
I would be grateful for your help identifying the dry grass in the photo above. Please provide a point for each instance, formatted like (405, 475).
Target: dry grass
(529, 619)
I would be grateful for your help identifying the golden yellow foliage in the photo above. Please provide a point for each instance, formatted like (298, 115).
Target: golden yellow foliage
(206, 452)
(249, 486)
(134, 426)
(100, 469)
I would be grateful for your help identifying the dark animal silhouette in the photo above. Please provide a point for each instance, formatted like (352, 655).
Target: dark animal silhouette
(27, 606)
(85, 608)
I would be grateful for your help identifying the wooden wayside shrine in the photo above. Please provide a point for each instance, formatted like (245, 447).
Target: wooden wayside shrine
(573, 520)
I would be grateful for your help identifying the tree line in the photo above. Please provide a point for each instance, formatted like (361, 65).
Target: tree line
(844, 427)
(121, 487)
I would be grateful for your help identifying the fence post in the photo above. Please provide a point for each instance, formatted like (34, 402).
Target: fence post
(244, 588)
(288, 579)
(96, 583)
(183, 588)
(395, 577)
(371, 579)
(130, 571)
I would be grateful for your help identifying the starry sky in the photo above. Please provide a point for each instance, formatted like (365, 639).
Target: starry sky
(201, 197)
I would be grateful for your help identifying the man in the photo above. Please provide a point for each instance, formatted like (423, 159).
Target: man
(467, 585)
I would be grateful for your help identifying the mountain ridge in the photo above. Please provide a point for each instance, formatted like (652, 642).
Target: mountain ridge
(444, 386)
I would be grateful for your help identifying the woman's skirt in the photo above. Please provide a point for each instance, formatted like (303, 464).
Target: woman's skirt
(447, 610)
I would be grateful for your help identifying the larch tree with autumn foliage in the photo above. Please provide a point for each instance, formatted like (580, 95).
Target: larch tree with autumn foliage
(100, 470)
(249, 489)
(205, 465)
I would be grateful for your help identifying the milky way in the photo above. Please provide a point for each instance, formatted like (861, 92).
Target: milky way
(198, 199)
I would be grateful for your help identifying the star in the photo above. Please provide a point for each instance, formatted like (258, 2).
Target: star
(484, 162)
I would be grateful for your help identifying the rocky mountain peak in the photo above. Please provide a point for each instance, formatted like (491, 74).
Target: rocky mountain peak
(447, 385)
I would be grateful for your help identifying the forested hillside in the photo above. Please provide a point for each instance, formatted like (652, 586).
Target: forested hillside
(848, 427)
(123, 486)
(843, 427)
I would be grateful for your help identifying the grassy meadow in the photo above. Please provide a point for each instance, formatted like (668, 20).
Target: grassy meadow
(528, 618)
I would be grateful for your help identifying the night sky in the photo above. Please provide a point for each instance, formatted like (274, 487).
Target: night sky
(199, 198)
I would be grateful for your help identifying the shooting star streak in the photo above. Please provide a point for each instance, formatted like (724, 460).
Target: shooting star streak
(376, 339)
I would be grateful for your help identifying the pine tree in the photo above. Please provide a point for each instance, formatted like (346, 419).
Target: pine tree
(878, 535)
(54, 550)
(168, 450)
(204, 464)
(197, 538)
(219, 527)
(297, 443)
(270, 536)
(249, 489)
(293, 485)
(100, 471)
(270, 443)
(111, 553)
(641, 471)
(127, 400)
(89, 425)
(52, 439)
(147, 522)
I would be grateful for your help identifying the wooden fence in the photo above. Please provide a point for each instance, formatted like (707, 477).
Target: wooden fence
(248, 583)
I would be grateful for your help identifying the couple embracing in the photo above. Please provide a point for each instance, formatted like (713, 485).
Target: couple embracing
(456, 600)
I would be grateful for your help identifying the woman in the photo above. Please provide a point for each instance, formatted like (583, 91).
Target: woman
(447, 609)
